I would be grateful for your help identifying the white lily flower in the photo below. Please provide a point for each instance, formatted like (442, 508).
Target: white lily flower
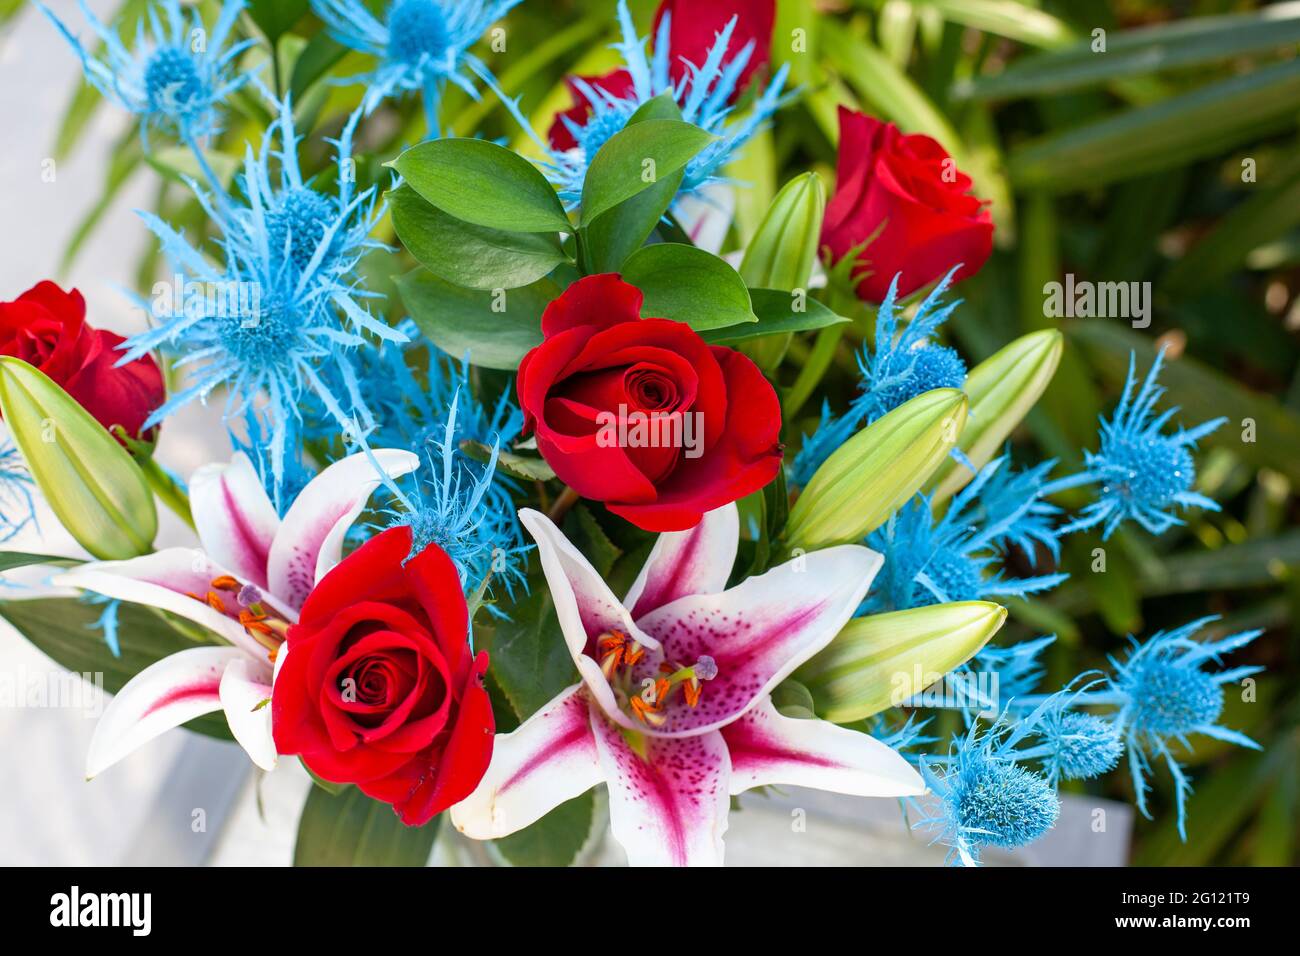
(674, 712)
(246, 584)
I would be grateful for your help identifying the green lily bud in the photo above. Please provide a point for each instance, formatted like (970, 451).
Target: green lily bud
(1002, 389)
(95, 488)
(868, 477)
(877, 662)
(782, 255)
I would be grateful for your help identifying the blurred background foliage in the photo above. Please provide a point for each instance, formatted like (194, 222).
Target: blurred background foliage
(1169, 158)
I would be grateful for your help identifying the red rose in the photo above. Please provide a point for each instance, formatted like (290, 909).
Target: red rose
(642, 414)
(379, 686)
(910, 184)
(695, 24)
(692, 30)
(46, 327)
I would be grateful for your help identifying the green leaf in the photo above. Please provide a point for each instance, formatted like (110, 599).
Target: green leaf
(1269, 214)
(636, 158)
(517, 466)
(616, 234)
(1202, 393)
(689, 285)
(1006, 18)
(276, 17)
(1206, 121)
(475, 257)
(320, 54)
(530, 660)
(496, 329)
(582, 528)
(351, 829)
(64, 629)
(9, 560)
(555, 839)
(776, 312)
(93, 486)
(1177, 44)
(483, 183)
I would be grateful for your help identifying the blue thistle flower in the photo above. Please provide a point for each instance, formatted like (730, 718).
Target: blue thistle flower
(1079, 745)
(17, 507)
(177, 78)
(1164, 692)
(899, 368)
(284, 305)
(933, 562)
(1143, 473)
(986, 798)
(1017, 667)
(421, 46)
(702, 95)
(463, 512)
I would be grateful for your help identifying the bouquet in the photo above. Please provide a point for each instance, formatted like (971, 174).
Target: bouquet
(602, 415)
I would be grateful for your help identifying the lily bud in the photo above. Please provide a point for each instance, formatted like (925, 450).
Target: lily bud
(873, 473)
(878, 662)
(91, 482)
(782, 254)
(1002, 389)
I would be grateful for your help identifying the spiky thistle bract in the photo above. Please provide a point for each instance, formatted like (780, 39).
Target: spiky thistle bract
(986, 796)
(1165, 692)
(1141, 471)
(176, 77)
(899, 367)
(274, 322)
(460, 508)
(932, 561)
(421, 46)
(703, 94)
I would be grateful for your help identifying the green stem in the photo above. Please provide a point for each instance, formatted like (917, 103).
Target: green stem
(167, 489)
(819, 360)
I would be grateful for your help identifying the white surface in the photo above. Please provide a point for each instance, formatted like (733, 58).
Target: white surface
(48, 812)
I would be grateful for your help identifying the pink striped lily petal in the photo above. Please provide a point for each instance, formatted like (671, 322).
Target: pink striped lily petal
(245, 696)
(164, 695)
(310, 539)
(234, 517)
(668, 799)
(175, 580)
(769, 749)
(549, 759)
(707, 217)
(757, 632)
(585, 606)
(683, 563)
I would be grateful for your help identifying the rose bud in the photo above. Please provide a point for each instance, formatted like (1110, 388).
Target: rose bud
(641, 413)
(908, 190)
(46, 327)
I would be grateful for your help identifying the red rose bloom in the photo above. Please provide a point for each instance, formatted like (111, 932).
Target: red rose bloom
(695, 25)
(605, 389)
(379, 686)
(908, 183)
(692, 30)
(46, 327)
